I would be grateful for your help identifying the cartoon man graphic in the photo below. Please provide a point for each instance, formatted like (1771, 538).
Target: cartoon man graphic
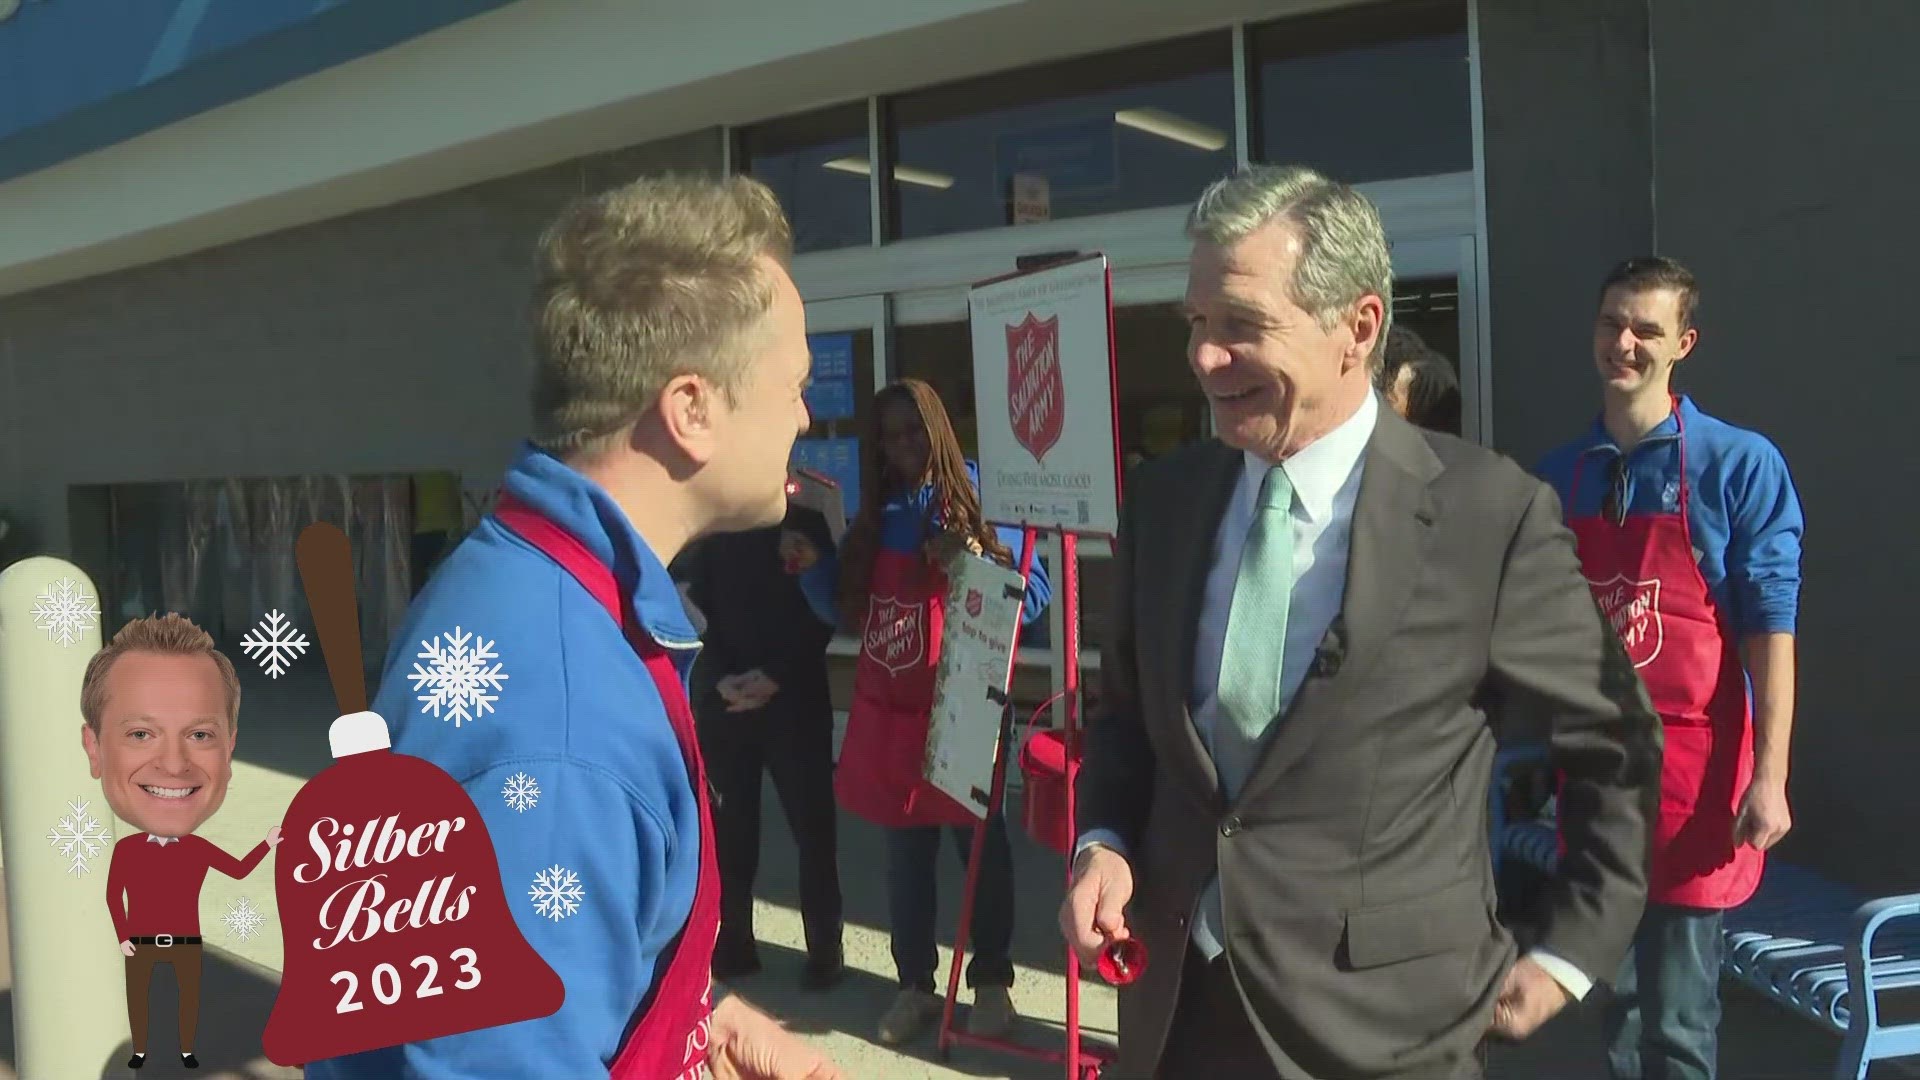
(161, 707)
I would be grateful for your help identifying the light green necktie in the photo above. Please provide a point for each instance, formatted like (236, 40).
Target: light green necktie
(1249, 690)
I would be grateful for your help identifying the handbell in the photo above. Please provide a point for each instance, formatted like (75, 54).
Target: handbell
(1123, 960)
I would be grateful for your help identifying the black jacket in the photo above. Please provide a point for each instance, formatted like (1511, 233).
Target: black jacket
(755, 615)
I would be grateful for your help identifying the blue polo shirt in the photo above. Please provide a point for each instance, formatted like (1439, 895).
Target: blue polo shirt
(1742, 510)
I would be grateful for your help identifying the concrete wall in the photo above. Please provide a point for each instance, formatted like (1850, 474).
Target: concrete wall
(393, 339)
(1566, 100)
(1787, 155)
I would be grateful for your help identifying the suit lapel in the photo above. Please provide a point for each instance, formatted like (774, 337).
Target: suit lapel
(1189, 530)
(1392, 523)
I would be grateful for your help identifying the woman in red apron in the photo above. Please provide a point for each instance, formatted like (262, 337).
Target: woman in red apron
(1646, 579)
(920, 506)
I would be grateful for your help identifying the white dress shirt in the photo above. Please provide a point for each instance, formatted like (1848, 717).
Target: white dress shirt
(1325, 476)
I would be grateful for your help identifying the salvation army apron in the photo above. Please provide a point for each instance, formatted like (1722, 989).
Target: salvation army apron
(668, 1035)
(1648, 584)
(881, 773)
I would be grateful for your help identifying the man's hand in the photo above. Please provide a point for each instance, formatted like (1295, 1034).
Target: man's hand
(797, 553)
(273, 838)
(1764, 817)
(1529, 998)
(126, 948)
(1094, 911)
(748, 690)
(747, 1044)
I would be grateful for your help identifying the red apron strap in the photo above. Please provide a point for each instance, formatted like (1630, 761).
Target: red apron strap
(565, 549)
(668, 1035)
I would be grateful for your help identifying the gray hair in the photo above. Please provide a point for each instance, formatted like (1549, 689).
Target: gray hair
(1343, 248)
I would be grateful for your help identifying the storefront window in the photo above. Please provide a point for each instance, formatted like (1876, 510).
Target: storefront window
(1374, 93)
(817, 163)
(1119, 131)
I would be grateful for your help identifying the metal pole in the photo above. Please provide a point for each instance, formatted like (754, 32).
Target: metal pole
(1070, 592)
(69, 980)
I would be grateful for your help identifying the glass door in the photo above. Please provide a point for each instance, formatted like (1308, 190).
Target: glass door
(848, 340)
(1436, 294)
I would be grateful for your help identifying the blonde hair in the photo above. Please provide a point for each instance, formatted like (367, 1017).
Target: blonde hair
(1343, 247)
(168, 635)
(642, 284)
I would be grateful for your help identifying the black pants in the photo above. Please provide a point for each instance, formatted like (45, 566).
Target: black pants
(1213, 1037)
(793, 741)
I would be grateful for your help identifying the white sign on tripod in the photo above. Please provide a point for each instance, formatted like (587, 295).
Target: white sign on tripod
(970, 685)
(1044, 397)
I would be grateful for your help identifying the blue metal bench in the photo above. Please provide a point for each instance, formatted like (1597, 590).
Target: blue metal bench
(1804, 941)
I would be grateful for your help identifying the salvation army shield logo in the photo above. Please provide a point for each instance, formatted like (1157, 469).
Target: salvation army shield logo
(1632, 609)
(895, 635)
(974, 603)
(1036, 391)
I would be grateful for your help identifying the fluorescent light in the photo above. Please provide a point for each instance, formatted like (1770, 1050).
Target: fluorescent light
(906, 174)
(1177, 128)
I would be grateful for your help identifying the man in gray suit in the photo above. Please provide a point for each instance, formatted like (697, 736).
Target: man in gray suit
(1324, 619)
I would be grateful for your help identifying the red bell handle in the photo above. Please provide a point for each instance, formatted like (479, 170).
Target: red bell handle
(1122, 960)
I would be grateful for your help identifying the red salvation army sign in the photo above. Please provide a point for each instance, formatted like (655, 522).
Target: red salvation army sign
(1044, 397)
(1036, 393)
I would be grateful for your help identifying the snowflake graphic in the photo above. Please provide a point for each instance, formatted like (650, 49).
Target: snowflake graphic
(65, 611)
(459, 677)
(243, 919)
(522, 792)
(78, 837)
(274, 643)
(557, 893)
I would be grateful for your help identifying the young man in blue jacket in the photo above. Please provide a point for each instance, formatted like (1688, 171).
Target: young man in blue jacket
(1688, 531)
(670, 359)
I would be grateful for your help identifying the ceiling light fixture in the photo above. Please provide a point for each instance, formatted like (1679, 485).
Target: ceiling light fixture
(905, 174)
(1177, 128)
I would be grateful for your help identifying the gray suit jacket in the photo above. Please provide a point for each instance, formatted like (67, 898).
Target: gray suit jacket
(1354, 868)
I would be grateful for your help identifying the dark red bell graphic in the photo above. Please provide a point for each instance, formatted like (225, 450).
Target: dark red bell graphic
(1123, 960)
(394, 919)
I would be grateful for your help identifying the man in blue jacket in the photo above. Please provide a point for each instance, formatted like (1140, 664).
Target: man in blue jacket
(670, 359)
(1688, 530)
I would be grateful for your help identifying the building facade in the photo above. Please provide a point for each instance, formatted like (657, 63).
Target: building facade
(274, 257)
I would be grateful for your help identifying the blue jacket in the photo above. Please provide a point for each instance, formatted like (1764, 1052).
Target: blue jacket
(579, 715)
(1742, 509)
(904, 527)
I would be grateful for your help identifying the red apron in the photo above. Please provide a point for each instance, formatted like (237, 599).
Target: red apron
(668, 1035)
(881, 773)
(1648, 584)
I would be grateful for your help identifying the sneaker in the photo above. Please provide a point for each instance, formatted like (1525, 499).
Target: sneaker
(188, 1061)
(908, 1016)
(137, 1061)
(992, 1014)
